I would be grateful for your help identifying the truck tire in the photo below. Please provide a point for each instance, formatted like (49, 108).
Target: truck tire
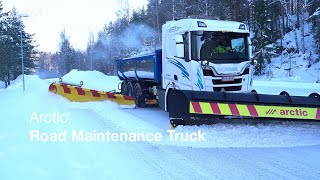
(130, 90)
(138, 91)
(124, 89)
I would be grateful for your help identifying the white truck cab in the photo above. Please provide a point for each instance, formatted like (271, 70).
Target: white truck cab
(206, 55)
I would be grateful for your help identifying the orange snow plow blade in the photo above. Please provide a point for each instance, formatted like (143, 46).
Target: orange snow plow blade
(79, 94)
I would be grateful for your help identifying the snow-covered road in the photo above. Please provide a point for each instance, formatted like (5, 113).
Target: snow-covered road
(275, 151)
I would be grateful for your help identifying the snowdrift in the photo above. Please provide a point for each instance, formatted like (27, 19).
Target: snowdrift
(2, 85)
(93, 80)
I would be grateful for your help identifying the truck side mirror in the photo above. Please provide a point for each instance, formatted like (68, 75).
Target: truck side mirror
(250, 51)
(179, 46)
(250, 48)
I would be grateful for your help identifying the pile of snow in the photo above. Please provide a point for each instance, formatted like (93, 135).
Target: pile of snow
(277, 70)
(293, 88)
(2, 85)
(143, 51)
(93, 80)
(32, 83)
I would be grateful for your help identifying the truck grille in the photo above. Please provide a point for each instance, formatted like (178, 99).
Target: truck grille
(209, 72)
(231, 88)
(219, 81)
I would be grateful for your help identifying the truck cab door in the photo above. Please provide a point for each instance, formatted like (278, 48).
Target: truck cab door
(177, 66)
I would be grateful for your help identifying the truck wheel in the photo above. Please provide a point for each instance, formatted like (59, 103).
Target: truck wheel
(139, 95)
(124, 89)
(130, 90)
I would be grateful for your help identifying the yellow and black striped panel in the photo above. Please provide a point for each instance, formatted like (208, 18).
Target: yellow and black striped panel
(254, 110)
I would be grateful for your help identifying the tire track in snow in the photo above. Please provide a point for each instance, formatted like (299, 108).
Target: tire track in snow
(214, 161)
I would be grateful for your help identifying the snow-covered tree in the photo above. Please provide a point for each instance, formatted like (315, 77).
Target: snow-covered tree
(67, 60)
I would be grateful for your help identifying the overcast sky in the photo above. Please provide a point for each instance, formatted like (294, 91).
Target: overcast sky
(47, 18)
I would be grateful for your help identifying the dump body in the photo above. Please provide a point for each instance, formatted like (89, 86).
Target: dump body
(142, 68)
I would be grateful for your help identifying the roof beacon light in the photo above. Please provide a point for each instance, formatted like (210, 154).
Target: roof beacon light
(201, 24)
(242, 26)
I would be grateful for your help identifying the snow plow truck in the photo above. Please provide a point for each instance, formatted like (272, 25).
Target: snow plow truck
(203, 75)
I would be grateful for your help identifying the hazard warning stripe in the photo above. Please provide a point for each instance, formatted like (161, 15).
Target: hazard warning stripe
(215, 108)
(252, 110)
(95, 93)
(52, 88)
(243, 110)
(224, 108)
(80, 91)
(318, 114)
(111, 95)
(206, 108)
(66, 89)
(234, 109)
(197, 107)
(128, 98)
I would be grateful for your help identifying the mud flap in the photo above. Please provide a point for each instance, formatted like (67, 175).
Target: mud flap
(197, 108)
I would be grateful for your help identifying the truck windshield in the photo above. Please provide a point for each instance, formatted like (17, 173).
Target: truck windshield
(219, 46)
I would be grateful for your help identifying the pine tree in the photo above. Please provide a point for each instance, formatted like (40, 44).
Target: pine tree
(2, 37)
(261, 31)
(10, 52)
(67, 60)
(315, 20)
(139, 16)
(259, 68)
(89, 51)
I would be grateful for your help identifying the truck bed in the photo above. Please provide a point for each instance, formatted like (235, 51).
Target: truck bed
(146, 67)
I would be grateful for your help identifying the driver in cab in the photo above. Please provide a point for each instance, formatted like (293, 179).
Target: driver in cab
(222, 47)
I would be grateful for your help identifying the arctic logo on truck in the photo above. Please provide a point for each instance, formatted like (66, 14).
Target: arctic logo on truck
(174, 28)
(181, 67)
(286, 112)
(271, 111)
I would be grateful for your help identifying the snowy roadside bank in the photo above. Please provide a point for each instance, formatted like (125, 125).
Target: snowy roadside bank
(293, 88)
(2, 84)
